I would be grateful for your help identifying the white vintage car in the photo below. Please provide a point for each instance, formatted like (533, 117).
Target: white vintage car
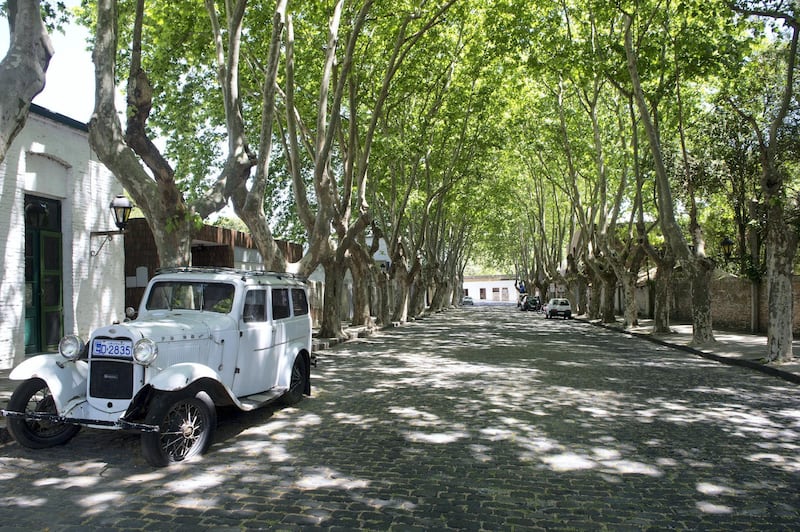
(203, 338)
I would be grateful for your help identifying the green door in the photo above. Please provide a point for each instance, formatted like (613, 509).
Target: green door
(44, 305)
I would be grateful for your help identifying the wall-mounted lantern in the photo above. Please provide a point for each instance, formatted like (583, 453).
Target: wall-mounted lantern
(727, 247)
(121, 208)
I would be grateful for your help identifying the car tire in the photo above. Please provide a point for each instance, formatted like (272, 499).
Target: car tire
(186, 424)
(297, 382)
(33, 395)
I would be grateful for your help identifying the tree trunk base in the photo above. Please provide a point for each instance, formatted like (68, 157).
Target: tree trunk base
(703, 342)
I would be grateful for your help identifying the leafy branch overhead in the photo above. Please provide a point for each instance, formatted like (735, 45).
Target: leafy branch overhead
(572, 143)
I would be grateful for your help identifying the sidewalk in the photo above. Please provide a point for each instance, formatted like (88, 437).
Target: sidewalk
(734, 348)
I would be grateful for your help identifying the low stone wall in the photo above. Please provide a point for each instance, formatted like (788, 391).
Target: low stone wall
(731, 303)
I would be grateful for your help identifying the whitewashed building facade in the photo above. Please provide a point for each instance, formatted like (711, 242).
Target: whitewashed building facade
(57, 276)
(491, 288)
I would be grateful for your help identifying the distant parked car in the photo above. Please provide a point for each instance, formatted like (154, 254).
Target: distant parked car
(467, 301)
(531, 303)
(558, 307)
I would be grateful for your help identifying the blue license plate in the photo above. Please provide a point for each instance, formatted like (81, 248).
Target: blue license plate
(112, 348)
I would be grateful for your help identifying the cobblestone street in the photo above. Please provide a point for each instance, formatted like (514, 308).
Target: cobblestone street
(483, 418)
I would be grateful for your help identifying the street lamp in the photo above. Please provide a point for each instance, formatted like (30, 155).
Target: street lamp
(727, 247)
(121, 208)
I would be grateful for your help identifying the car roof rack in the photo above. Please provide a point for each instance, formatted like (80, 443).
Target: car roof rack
(246, 274)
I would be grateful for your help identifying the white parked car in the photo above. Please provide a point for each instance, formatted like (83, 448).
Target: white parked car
(203, 338)
(558, 307)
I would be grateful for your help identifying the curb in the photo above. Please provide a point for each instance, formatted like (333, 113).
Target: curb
(741, 362)
(321, 344)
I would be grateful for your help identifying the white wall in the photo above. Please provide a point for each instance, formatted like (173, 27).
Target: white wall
(54, 160)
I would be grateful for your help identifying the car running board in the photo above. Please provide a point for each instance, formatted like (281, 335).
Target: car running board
(251, 402)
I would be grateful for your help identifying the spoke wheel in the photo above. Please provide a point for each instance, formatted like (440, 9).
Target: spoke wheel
(186, 426)
(33, 396)
(297, 383)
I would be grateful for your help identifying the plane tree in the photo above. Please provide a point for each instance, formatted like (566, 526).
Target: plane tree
(219, 79)
(22, 70)
(579, 145)
(348, 117)
(131, 154)
(367, 86)
(667, 51)
(433, 151)
(772, 117)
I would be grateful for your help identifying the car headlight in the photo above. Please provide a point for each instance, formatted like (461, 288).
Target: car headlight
(70, 347)
(145, 352)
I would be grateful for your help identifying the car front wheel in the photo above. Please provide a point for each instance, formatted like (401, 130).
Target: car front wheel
(33, 396)
(186, 427)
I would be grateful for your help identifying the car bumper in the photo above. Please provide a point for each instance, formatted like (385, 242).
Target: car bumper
(119, 424)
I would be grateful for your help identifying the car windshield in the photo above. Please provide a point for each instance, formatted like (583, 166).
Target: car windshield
(184, 295)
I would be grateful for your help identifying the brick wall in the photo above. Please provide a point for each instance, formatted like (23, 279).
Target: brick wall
(730, 303)
(140, 252)
(212, 246)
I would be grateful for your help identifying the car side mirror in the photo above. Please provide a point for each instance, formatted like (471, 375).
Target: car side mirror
(130, 313)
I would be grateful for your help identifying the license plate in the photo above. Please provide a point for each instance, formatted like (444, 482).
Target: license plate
(112, 348)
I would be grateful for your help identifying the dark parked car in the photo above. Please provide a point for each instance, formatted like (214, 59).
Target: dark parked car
(531, 303)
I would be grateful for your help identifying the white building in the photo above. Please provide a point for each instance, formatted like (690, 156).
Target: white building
(491, 288)
(58, 278)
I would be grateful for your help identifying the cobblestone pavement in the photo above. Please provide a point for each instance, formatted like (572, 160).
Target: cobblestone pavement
(482, 418)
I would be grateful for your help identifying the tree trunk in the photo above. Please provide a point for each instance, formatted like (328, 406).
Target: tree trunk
(581, 298)
(781, 248)
(597, 296)
(631, 311)
(440, 293)
(383, 294)
(362, 283)
(331, 323)
(701, 273)
(541, 289)
(609, 280)
(419, 293)
(443, 287)
(402, 293)
(663, 295)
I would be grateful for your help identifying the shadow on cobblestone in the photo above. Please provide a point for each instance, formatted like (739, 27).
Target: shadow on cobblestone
(477, 419)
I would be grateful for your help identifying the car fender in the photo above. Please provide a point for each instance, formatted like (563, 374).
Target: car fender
(66, 379)
(182, 375)
(284, 379)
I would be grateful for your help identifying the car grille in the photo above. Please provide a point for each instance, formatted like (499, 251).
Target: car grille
(111, 379)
